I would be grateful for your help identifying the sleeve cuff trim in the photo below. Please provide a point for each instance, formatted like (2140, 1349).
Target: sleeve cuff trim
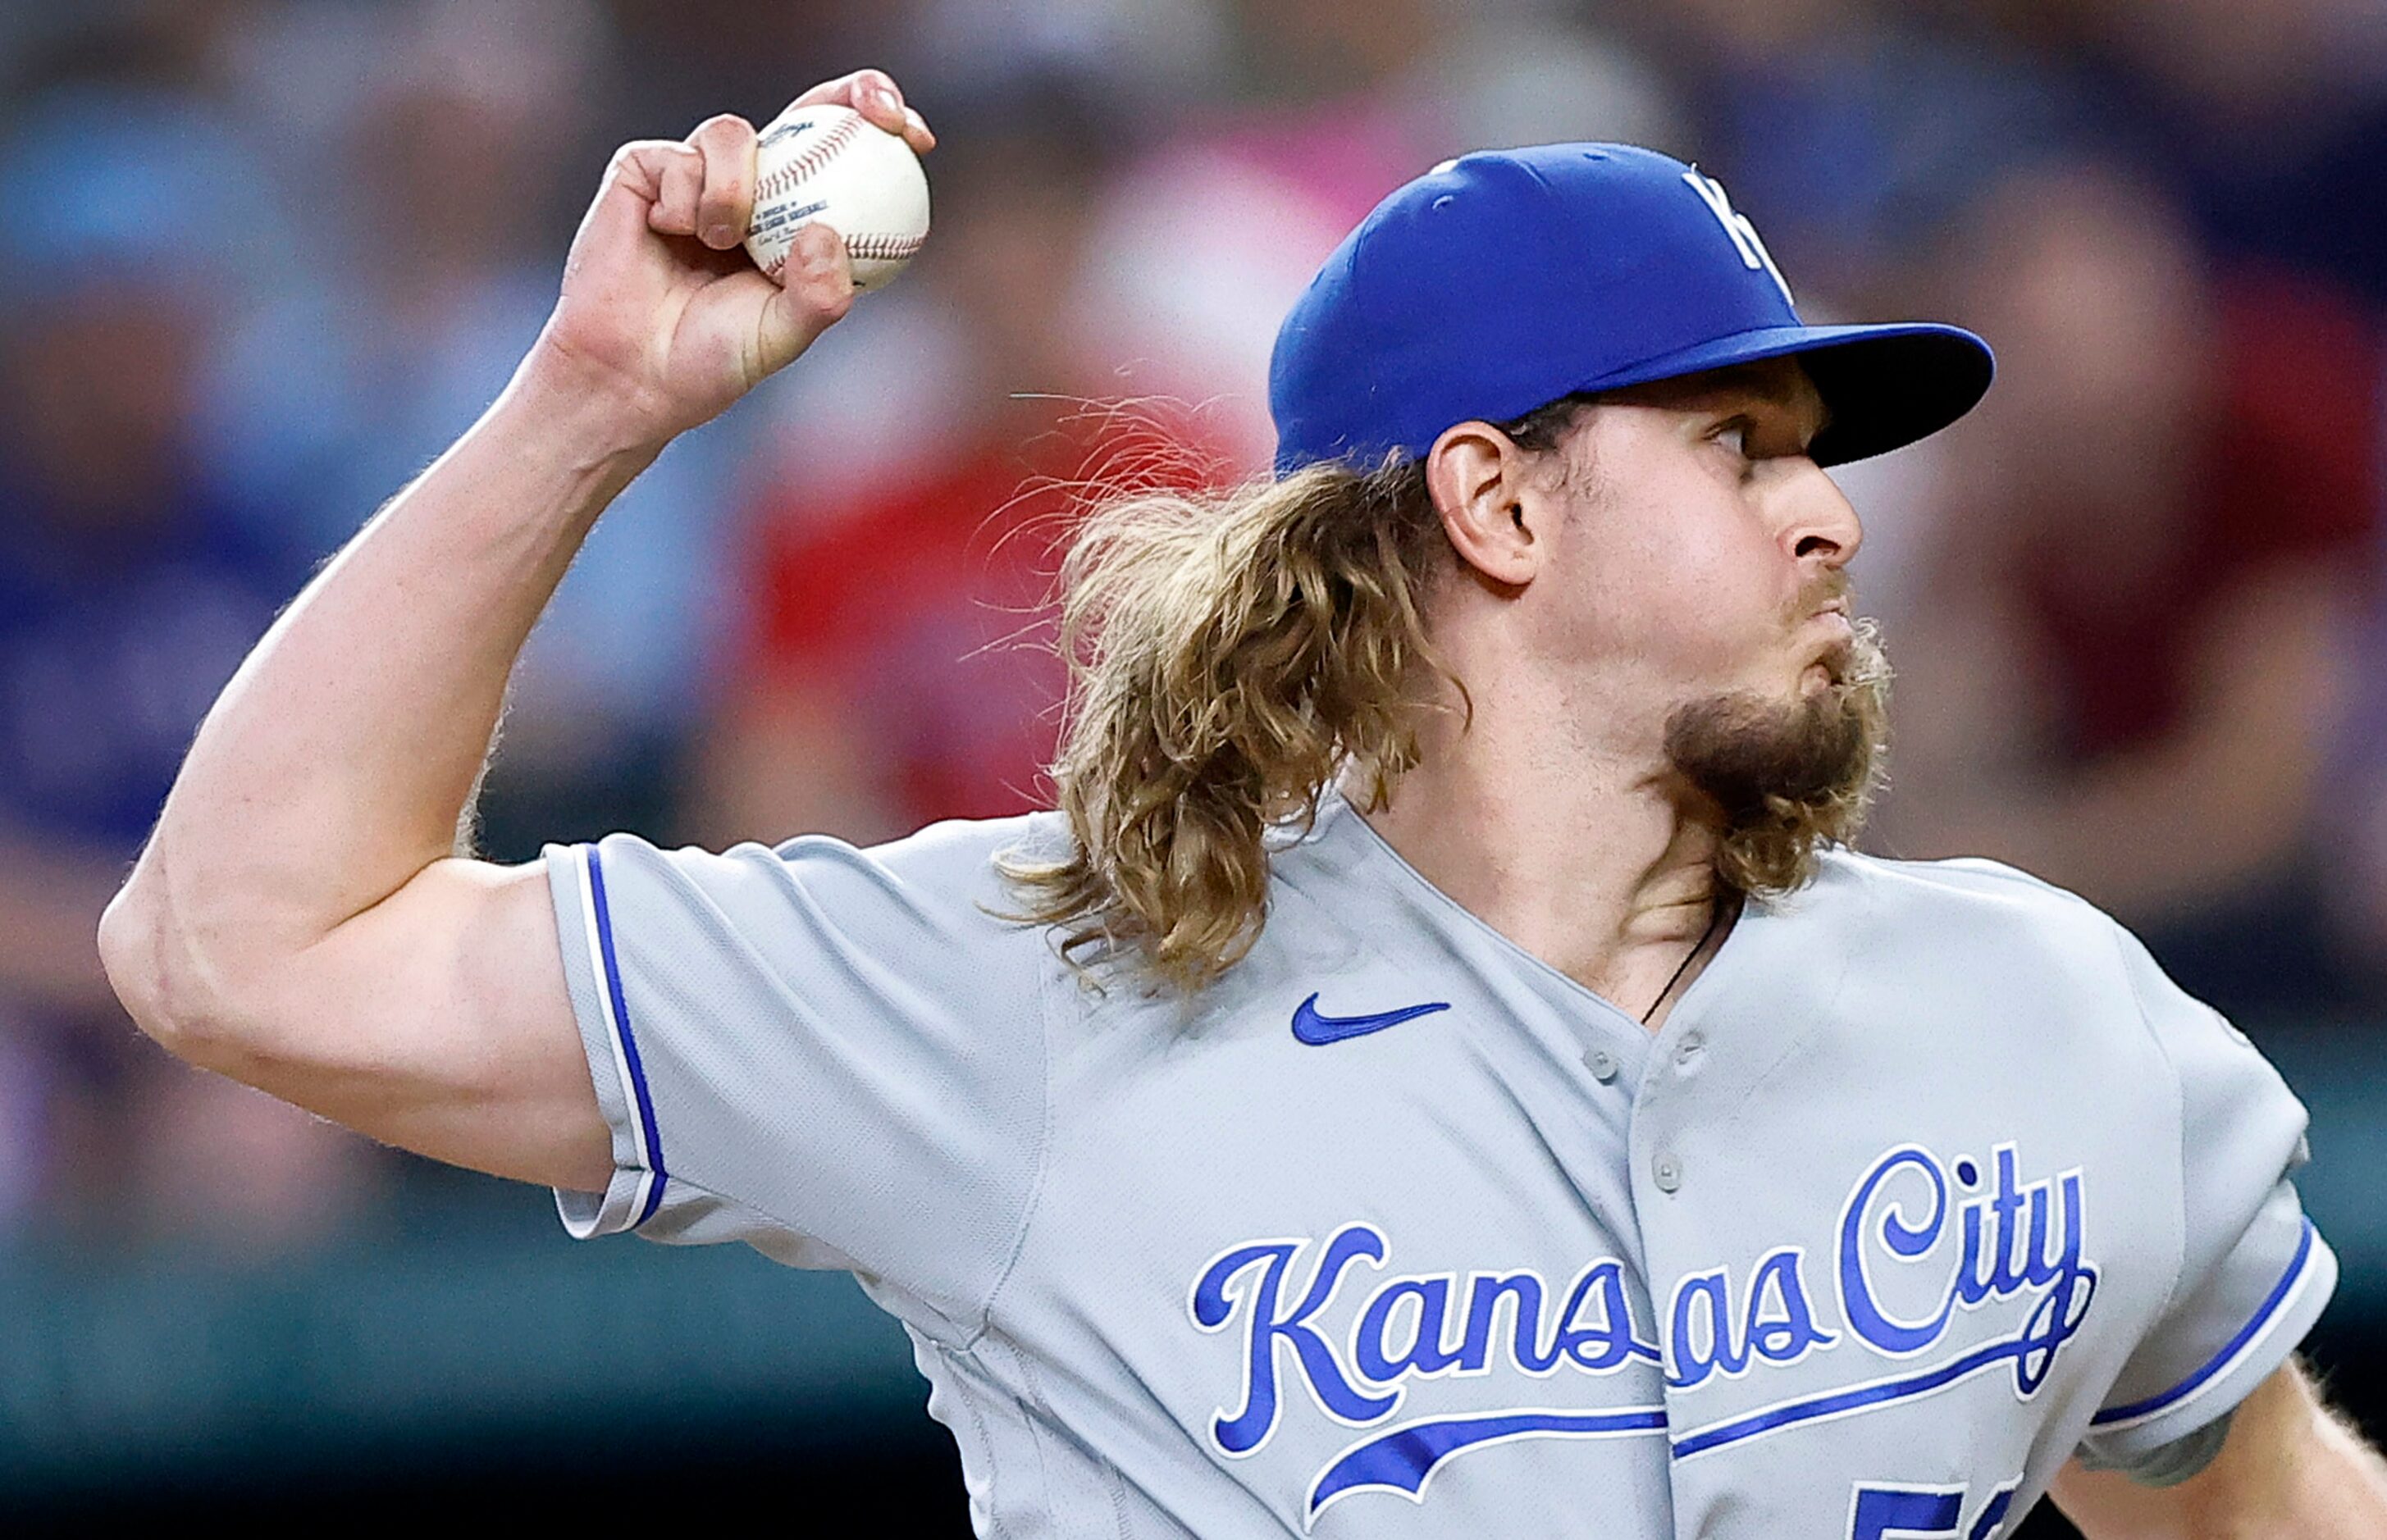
(647, 1144)
(2284, 1295)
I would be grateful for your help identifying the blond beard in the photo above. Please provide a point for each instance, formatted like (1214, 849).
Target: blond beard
(1788, 779)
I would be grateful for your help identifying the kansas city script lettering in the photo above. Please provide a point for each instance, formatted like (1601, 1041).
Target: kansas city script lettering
(1918, 1242)
(1407, 1330)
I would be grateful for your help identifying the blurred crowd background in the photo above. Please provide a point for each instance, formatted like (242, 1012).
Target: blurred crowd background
(261, 259)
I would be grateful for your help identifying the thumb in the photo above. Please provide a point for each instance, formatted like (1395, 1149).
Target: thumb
(816, 290)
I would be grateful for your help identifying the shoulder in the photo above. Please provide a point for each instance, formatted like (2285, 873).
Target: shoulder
(918, 926)
(953, 852)
(1963, 888)
(2029, 950)
(947, 874)
(953, 869)
(1973, 919)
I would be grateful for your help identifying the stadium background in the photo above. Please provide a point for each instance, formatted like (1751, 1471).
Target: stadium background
(261, 259)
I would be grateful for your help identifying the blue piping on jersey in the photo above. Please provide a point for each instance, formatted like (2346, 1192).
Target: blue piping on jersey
(1405, 1458)
(2230, 1349)
(1836, 1403)
(611, 970)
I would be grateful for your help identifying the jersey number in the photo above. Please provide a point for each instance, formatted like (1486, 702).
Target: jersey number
(1895, 1512)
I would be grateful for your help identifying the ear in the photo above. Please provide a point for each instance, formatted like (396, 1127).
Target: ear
(1480, 484)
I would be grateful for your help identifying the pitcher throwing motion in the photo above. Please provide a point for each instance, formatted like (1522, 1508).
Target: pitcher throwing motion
(1440, 1070)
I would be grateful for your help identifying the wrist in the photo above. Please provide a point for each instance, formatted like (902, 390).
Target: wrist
(563, 446)
(590, 413)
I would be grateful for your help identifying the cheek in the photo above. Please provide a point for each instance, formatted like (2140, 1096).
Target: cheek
(1692, 588)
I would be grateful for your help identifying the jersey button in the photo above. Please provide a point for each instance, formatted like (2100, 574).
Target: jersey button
(1667, 1172)
(1602, 1065)
(1688, 1051)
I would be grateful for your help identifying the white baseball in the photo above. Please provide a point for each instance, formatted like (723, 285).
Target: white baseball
(833, 165)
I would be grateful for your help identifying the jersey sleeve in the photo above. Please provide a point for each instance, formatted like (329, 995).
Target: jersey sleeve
(2254, 1273)
(834, 1055)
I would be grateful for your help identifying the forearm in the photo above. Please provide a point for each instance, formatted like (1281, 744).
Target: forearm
(338, 761)
(2334, 1486)
(2289, 1467)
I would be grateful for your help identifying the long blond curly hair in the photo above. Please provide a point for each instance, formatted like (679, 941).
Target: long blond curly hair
(1236, 654)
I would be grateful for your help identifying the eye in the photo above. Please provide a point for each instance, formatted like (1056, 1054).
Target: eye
(1733, 435)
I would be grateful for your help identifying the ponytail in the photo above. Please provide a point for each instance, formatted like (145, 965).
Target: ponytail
(1233, 656)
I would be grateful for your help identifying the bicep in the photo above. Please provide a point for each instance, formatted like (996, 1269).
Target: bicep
(438, 1021)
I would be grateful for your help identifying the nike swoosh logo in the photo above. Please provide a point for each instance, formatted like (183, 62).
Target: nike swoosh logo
(1317, 1029)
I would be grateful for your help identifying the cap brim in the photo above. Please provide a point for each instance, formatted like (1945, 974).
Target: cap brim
(1885, 386)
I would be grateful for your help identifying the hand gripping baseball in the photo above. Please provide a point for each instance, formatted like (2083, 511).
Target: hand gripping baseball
(661, 307)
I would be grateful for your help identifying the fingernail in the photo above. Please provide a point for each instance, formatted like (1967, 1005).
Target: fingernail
(720, 235)
(888, 99)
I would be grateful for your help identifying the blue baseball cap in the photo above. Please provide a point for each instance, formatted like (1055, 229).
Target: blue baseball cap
(1506, 280)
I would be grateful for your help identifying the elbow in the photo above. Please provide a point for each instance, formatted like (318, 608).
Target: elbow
(159, 979)
(128, 951)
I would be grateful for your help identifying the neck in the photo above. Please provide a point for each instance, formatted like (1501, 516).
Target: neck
(1591, 857)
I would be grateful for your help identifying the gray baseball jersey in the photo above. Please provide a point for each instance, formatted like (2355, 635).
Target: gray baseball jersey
(1930, 1180)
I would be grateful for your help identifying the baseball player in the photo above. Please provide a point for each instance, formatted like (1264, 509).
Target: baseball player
(1440, 1070)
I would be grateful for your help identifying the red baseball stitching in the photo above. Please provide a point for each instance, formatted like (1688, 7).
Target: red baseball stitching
(810, 162)
(883, 248)
(867, 249)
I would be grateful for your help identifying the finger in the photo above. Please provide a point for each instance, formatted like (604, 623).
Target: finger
(670, 176)
(726, 202)
(818, 267)
(916, 133)
(816, 289)
(872, 92)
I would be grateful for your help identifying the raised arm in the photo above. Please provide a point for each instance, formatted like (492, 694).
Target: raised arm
(2287, 1467)
(301, 920)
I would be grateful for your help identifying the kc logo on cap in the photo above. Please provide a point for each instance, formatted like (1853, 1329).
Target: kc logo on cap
(1735, 224)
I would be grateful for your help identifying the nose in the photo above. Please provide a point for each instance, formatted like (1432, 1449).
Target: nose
(1819, 524)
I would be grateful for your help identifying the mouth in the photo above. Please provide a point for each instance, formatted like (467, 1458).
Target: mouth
(1837, 631)
(1828, 663)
